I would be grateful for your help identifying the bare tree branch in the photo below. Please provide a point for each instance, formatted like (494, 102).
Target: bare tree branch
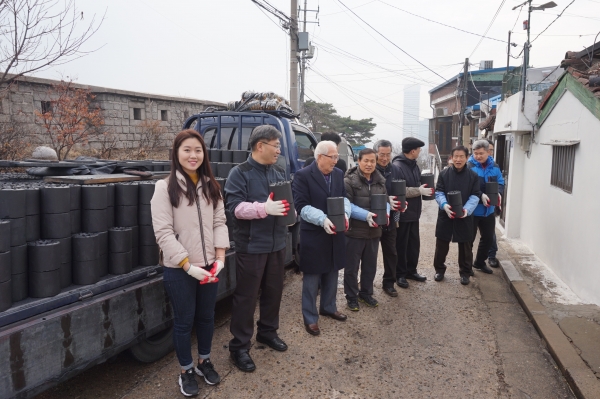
(37, 34)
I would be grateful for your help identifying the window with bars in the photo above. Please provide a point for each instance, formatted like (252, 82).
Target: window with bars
(563, 165)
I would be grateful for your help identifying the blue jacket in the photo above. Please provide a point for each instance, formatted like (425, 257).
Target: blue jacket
(249, 182)
(491, 172)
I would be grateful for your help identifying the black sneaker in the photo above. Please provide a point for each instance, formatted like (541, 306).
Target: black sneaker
(353, 305)
(483, 268)
(207, 370)
(188, 384)
(368, 300)
(493, 262)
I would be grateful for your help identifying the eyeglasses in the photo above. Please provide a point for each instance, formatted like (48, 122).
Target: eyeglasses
(278, 146)
(332, 157)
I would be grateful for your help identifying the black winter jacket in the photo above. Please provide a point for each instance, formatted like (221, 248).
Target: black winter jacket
(409, 171)
(249, 182)
(359, 191)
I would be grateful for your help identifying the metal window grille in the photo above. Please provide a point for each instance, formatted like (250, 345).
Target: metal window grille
(563, 163)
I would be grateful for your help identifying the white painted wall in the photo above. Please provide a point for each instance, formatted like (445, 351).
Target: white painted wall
(563, 229)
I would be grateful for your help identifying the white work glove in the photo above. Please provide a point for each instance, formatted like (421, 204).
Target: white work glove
(276, 208)
(393, 203)
(217, 267)
(370, 220)
(328, 226)
(485, 199)
(465, 214)
(199, 274)
(448, 210)
(424, 190)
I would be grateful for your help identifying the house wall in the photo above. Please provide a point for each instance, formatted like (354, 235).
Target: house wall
(561, 228)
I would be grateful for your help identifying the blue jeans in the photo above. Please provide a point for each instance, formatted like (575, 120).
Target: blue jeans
(493, 248)
(193, 304)
(310, 288)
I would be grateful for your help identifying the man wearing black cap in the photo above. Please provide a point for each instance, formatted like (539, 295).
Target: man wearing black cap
(408, 243)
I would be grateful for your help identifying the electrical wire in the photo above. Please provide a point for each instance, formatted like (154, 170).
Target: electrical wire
(391, 42)
(518, 16)
(550, 24)
(488, 28)
(440, 23)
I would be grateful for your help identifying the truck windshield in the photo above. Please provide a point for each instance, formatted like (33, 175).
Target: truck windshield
(306, 147)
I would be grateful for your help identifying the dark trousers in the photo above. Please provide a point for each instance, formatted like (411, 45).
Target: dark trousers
(465, 257)
(254, 273)
(360, 252)
(408, 246)
(487, 229)
(193, 304)
(494, 248)
(390, 256)
(310, 288)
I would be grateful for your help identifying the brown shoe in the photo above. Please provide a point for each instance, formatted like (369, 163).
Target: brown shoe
(313, 329)
(335, 316)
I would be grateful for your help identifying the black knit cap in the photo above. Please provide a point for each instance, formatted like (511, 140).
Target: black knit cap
(411, 143)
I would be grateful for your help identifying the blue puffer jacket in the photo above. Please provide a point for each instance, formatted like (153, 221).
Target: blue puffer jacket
(489, 171)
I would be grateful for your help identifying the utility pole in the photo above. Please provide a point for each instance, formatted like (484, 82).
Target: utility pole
(526, 56)
(508, 52)
(463, 103)
(302, 69)
(294, 55)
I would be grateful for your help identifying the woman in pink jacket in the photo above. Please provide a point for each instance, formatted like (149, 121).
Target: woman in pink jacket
(189, 222)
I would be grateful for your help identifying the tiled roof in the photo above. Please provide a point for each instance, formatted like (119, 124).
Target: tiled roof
(585, 67)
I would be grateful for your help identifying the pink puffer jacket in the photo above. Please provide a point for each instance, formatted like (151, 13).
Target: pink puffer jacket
(177, 230)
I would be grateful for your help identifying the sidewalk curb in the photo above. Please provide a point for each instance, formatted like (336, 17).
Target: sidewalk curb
(579, 376)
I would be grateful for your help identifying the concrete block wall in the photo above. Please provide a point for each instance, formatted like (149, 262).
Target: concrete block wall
(120, 110)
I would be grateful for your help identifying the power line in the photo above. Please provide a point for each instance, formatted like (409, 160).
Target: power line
(488, 28)
(550, 24)
(440, 23)
(394, 44)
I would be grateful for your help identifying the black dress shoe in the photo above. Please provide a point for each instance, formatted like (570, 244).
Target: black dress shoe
(464, 280)
(438, 276)
(313, 329)
(241, 358)
(483, 268)
(416, 277)
(402, 283)
(493, 262)
(391, 291)
(471, 273)
(335, 316)
(274, 343)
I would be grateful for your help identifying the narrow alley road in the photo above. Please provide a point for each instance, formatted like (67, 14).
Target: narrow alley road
(435, 340)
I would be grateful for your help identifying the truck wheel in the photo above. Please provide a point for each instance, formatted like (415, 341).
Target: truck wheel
(153, 348)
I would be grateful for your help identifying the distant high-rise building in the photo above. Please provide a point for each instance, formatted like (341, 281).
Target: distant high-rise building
(412, 98)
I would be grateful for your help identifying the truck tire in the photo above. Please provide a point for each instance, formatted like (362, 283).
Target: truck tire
(153, 348)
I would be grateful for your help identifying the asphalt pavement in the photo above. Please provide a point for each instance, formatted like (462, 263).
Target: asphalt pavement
(435, 340)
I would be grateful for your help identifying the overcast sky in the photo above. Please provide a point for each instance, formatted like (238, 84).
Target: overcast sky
(215, 50)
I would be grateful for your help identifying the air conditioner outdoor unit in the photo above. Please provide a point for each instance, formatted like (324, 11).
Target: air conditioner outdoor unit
(441, 111)
(486, 64)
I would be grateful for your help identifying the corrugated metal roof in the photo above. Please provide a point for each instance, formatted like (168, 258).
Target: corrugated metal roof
(476, 75)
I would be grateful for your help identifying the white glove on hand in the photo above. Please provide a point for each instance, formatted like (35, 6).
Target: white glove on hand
(328, 226)
(370, 220)
(217, 267)
(465, 214)
(198, 273)
(424, 190)
(499, 202)
(276, 208)
(393, 203)
(448, 210)
(485, 199)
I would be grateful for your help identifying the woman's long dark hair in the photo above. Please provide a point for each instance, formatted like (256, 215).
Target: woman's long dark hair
(211, 190)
